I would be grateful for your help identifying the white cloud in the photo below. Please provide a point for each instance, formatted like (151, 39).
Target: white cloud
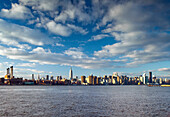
(26, 64)
(164, 69)
(66, 15)
(17, 11)
(143, 57)
(38, 50)
(77, 29)
(42, 5)
(33, 71)
(136, 33)
(39, 55)
(7, 40)
(70, 10)
(19, 33)
(140, 29)
(98, 37)
(58, 29)
(75, 53)
(73, 11)
(59, 44)
(121, 60)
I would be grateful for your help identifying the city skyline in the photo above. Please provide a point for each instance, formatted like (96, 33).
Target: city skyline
(10, 75)
(114, 79)
(91, 37)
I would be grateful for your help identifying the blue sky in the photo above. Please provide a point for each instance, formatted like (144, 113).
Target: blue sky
(93, 37)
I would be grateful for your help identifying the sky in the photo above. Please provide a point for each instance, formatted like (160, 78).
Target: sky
(97, 37)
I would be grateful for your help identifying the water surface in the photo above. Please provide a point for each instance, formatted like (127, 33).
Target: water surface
(52, 101)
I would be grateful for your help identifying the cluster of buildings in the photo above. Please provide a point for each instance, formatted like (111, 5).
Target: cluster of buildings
(114, 79)
(9, 78)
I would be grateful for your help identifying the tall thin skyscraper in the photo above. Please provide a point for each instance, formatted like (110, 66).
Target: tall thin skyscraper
(144, 78)
(7, 71)
(150, 77)
(38, 77)
(47, 77)
(32, 76)
(11, 75)
(71, 74)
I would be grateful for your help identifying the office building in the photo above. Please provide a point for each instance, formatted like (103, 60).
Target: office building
(39, 77)
(83, 78)
(150, 77)
(11, 74)
(94, 80)
(144, 78)
(110, 79)
(90, 79)
(33, 77)
(7, 71)
(118, 80)
(57, 78)
(114, 80)
(98, 81)
(47, 77)
(51, 78)
(70, 74)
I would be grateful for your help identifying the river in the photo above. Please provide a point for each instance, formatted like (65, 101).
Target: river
(77, 101)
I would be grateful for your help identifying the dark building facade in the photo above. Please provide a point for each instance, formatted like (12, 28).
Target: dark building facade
(83, 79)
(150, 77)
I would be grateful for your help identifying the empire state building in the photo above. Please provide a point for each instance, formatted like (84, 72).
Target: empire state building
(71, 74)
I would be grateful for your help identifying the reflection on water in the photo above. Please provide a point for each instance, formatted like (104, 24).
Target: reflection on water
(54, 101)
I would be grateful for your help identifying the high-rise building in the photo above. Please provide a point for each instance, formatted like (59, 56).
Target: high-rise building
(11, 75)
(90, 79)
(105, 79)
(150, 77)
(7, 71)
(38, 77)
(71, 74)
(154, 78)
(57, 78)
(141, 78)
(118, 80)
(144, 78)
(47, 77)
(83, 79)
(60, 77)
(110, 79)
(94, 80)
(51, 78)
(114, 80)
(98, 80)
(7, 76)
(32, 76)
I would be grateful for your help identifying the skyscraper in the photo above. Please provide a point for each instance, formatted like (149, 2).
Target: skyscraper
(83, 79)
(11, 75)
(144, 78)
(7, 71)
(90, 79)
(71, 74)
(38, 77)
(47, 77)
(150, 77)
(51, 78)
(32, 76)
